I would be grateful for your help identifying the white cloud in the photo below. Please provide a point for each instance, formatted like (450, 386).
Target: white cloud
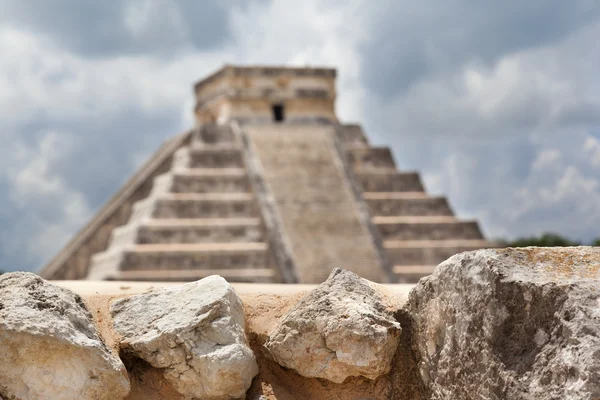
(53, 208)
(38, 77)
(40, 81)
(542, 103)
(306, 33)
(591, 149)
(148, 19)
(522, 92)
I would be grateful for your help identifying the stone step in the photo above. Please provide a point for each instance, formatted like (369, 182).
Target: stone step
(215, 156)
(213, 134)
(429, 252)
(426, 228)
(161, 184)
(124, 235)
(203, 205)
(210, 230)
(186, 256)
(405, 204)
(386, 180)
(370, 157)
(412, 273)
(352, 135)
(210, 180)
(181, 158)
(142, 209)
(182, 230)
(252, 275)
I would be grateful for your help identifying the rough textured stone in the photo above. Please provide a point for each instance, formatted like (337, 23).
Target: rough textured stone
(195, 332)
(50, 347)
(511, 324)
(340, 329)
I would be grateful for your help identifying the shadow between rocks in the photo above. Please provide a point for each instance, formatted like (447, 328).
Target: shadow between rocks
(147, 382)
(277, 383)
(406, 383)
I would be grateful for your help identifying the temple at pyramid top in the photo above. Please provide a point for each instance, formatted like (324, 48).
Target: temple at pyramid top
(266, 94)
(268, 186)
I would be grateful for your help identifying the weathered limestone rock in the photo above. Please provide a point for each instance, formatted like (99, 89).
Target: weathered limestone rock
(50, 347)
(340, 329)
(195, 332)
(511, 324)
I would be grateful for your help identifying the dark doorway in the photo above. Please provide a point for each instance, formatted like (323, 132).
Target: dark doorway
(278, 112)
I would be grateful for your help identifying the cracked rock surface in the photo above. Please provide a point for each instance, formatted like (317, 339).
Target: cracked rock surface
(340, 329)
(50, 348)
(195, 332)
(511, 324)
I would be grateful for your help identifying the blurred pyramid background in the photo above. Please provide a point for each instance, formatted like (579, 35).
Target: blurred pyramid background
(268, 187)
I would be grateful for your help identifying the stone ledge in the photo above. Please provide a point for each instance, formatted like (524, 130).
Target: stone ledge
(489, 324)
(113, 288)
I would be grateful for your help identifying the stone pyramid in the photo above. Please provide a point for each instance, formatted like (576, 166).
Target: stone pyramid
(268, 187)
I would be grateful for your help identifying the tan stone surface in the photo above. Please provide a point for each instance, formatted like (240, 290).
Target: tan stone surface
(339, 330)
(123, 288)
(146, 383)
(514, 323)
(51, 348)
(250, 92)
(314, 201)
(194, 333)
(264, 306)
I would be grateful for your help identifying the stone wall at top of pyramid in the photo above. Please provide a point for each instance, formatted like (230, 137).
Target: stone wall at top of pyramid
(251, 93)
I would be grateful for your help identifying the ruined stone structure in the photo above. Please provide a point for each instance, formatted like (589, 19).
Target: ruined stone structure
(491, 324)
(268, 187)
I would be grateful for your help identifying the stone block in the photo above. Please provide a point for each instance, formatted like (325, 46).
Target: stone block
(50, 347)
(194, 333)
(510, 324)
(340, 329)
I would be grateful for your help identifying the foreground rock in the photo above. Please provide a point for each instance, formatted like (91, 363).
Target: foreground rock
(511, 324)
(338, 330)
(195, 332)
(50, 347)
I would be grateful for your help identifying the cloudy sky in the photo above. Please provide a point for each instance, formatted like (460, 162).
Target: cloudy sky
(496, 103)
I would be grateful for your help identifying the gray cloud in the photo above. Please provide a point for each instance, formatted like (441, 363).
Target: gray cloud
(103, 152)
(72, 131)
(497, 107)
(115, 27)
(410, 41)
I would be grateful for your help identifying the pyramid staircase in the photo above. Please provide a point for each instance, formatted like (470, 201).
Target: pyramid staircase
(201, 218)
(418, 230)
